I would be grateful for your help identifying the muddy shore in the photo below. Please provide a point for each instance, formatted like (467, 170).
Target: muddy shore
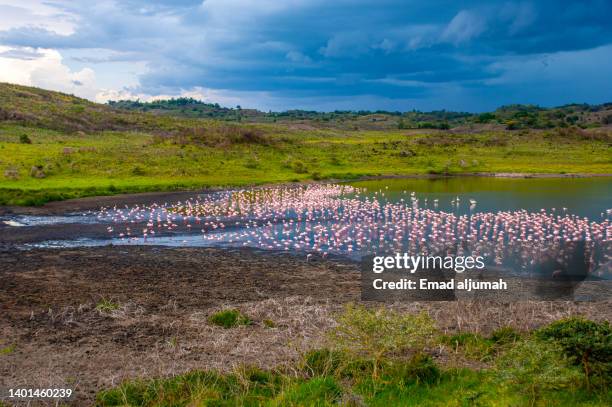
(53, 334)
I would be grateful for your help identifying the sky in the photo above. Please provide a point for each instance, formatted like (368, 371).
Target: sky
(314, 54)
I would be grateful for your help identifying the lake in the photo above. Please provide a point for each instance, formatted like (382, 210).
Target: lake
(509, 221)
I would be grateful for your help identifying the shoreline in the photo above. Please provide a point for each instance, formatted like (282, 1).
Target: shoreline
(95, 202)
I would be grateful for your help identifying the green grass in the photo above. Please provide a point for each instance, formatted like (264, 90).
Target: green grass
(7, 350)
(253, 387)
(106, 306)
(229, 318)
(523, 371)
(121, 162)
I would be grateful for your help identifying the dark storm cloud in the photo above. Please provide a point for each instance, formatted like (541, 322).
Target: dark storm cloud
(399, 50)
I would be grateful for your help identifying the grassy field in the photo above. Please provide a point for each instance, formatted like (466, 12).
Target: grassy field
(55, 146)
(73, 165)
(382, 358)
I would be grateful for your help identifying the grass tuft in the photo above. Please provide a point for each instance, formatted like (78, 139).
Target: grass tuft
(106, 306)
(229, 318)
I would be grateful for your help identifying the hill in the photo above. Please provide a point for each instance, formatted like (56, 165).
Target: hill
(55, 146)
(511, 117)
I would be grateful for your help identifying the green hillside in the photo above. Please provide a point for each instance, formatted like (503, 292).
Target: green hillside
(55, 146)
(509, 117)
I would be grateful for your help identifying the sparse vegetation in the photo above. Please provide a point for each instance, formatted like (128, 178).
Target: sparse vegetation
(7, 350)
(106, 306)
(229, 318)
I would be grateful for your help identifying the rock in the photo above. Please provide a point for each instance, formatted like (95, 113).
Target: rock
(407, 153)
(37, 172)
(11, 173)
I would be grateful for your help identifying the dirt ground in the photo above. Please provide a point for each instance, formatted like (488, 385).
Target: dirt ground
(52, 333)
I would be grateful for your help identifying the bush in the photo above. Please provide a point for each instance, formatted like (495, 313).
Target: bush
(229, 318)
(473, 346)
(268, 323)
(586, 343)
(251, 163)
(421, 368)
(322, 362)
(536, 366)
(374, 334)
(505, 335)
(512, 125)
(316, 176)
(138, 170)
(299, 167)
(24, 139)
(11, 173)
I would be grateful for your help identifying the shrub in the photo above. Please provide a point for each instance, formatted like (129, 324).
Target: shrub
(512, 125)
(316, 176)
(536, 366)
(37, 172)
(322, 362)
(374, 334)
(268, 323)
(299, 167)
(229, 318)
(421, 368)
(251, 163)
(473, 346)
(138, 170)
(505, 335)
(11, 173)
(24, 139)
(586, 343)
(334, 160)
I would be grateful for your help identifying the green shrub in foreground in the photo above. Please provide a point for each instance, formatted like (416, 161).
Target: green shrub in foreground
(505, 335)
(535, 366)
(377, 333)
(586, 343)
(473, 346)
(229, 318)
(323, 362)
(421, 368)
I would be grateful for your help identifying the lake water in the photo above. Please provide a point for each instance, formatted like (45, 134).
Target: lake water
(589, 197)
(510, 221)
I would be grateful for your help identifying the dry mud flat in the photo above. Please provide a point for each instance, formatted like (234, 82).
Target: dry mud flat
(52, 333)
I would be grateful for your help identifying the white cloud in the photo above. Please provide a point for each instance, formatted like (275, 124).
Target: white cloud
(35, 13)
(44, 68)
(463, 27)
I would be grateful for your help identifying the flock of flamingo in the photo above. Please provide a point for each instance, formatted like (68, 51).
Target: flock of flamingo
(321, 219)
